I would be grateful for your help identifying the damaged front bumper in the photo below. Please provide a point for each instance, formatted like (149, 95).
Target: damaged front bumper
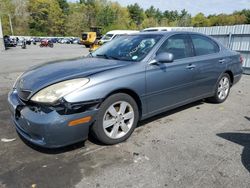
(49, 128)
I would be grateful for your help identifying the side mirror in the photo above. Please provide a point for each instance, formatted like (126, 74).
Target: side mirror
(163, 57)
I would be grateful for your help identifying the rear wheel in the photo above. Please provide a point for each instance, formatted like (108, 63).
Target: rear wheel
(222, 89)
(116, 119)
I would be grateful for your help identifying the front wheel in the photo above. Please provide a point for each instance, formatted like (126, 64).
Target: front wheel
(116, 120)
(222, 89)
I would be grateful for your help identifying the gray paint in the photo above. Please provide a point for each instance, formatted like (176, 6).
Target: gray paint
(239, 40)
(160, 87)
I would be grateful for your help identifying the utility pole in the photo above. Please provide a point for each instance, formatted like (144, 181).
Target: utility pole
(2, 47)
(11, 27)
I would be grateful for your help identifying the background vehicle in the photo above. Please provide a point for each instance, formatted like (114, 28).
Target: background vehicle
(113, 34)
(65, 41)
(76, 41)
(88, 38)
(24, 44)
(8, 42)
(110, 36)
(150, 29)
(46, 43)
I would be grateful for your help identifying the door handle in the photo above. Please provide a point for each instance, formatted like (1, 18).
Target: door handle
(222, 61)
(190, 66)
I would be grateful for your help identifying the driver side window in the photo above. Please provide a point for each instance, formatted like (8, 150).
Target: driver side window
(178, 45)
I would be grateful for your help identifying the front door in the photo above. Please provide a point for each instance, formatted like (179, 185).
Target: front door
(169, 84)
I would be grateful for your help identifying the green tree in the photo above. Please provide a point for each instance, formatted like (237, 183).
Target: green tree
(136, 13)
(184, 19)
(153, 16)
(20, 17)
(46, 17)
(106, 17)
(150, 12)
(171, 15)
(6, 9)
(200, 20)
(64, 6)
(244, 14)
(76, 22)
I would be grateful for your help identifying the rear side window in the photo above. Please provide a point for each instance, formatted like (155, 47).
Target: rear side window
(178, 45)
(204, 45)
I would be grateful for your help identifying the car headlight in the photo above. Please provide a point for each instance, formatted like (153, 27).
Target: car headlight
(54, 92)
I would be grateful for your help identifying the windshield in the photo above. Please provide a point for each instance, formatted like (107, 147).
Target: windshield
(128, 48)
(107, 37)
(84, 36)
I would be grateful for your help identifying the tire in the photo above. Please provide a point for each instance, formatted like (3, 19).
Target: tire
(120, 124)
(222, 91)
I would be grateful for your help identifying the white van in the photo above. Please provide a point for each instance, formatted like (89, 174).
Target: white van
(112, 34)
(164, 29)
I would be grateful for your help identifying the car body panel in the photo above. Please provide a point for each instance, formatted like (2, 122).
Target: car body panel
(49, 130)
(44, 75)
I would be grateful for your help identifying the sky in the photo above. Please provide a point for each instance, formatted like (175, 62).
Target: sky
(192, 6)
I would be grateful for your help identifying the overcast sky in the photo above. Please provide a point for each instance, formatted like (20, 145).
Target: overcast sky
(193, 6)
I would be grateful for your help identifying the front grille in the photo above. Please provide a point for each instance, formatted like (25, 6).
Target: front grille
(24, 94)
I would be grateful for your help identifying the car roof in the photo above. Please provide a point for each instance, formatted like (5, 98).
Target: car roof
(122, 32)
(166, 33)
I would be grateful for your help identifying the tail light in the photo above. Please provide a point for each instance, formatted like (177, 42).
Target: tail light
(241, 60)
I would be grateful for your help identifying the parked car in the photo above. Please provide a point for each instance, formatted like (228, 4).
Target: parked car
(110, 36)
(8, 42)
(113, 34)
(129, 79)
(54, 40)
(65, 41)
(76, 41)
(150, 29)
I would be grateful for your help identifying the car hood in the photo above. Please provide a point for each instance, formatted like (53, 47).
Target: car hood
(43, 75)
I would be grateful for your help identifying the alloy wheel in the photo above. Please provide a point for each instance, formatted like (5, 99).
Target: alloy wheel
(118, 119)
(223, 88)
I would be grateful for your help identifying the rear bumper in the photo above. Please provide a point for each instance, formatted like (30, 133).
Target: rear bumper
(48, 130)
(237, 78)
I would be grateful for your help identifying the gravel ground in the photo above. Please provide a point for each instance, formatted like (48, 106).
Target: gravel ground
(198, 145)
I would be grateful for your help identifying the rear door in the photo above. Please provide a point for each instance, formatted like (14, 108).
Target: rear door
(171, 83)
(209, 63)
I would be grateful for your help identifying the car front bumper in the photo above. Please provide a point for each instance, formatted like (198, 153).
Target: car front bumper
(50, 130)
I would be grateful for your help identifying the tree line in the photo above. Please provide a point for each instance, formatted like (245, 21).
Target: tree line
(62, 18)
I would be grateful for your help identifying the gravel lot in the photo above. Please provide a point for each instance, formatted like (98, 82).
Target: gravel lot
(198, 145)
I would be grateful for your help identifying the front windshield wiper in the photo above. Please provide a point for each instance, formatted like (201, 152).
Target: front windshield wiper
(107, 56)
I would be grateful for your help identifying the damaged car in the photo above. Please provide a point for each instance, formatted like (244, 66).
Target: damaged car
(126, 80)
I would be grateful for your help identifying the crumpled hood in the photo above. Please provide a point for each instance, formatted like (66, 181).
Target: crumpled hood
(43, 75)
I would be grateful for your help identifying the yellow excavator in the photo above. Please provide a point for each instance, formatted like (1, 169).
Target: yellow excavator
(89, 38)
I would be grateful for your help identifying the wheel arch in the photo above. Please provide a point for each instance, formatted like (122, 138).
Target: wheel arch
(230, 73)
(132, 94)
